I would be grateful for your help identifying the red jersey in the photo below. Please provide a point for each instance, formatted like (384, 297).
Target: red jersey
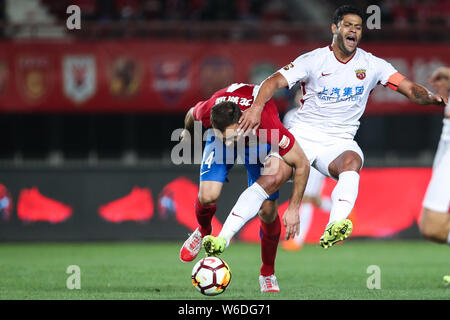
(243, 94)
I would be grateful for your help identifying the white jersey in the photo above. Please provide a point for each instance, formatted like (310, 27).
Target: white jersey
(446, 127)
(287, 119)
(335, 93)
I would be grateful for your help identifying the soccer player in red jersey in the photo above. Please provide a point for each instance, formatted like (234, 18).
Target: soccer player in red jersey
(222, 111)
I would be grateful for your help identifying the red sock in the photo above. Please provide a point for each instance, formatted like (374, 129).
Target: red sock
(270, 236)
(204, 217)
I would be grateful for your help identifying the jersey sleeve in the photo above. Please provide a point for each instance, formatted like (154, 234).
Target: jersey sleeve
(202, 112)
(297, 71)
(385, 71)
(277, 135)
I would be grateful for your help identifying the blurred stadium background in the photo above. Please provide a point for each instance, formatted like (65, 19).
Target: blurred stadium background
(87, 115)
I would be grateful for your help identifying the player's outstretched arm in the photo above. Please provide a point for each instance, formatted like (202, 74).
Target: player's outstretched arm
(297, 159)
(251, 117)
(419, 94)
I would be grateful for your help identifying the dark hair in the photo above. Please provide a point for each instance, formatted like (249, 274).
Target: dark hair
(343, 10)
(224, 114)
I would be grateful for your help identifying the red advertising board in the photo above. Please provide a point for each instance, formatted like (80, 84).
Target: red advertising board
(158, 203)
(389, 201)
(170, 77)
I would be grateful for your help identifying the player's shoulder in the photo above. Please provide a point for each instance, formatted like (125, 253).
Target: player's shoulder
(363, 54)
(244, 90)
(224, 92)
(240, 87)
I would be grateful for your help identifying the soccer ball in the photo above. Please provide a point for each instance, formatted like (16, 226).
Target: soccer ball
(211, 276)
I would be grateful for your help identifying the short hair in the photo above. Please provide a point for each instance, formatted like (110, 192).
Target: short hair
(343, 10)
(224, 114)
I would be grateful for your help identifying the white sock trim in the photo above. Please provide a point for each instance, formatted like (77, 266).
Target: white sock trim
(260, 190)
(344, 196)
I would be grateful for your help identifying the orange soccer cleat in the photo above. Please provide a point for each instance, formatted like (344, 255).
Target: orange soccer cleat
(291, 245)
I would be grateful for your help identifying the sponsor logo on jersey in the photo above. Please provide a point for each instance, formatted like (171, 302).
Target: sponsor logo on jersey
(80, 77)
(284, 142)
(244, 102)
(289, 66)
(360, 73)
(341, 94)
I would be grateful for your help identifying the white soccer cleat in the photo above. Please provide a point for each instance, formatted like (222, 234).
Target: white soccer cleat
(269, 283)
(191, 247)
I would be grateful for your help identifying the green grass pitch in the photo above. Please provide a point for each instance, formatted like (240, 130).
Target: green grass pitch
(409, 270)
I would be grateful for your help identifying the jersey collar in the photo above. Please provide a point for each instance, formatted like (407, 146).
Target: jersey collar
(331, 49)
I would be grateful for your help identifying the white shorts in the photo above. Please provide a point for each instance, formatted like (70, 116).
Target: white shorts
(437, 197)
(321, 148)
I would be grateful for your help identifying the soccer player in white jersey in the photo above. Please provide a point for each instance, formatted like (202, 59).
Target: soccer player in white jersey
(435, 221)
(337, 80)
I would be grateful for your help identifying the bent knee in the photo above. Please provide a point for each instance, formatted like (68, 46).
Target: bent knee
(352, 164)
(434, 226)
(272, 182)
(277, 180)
(348, 161)
(207, 197)
(434, 233)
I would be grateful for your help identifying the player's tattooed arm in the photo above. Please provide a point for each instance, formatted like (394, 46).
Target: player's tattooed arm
(419, 94)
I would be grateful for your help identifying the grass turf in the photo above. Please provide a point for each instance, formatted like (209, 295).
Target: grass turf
(409, 270)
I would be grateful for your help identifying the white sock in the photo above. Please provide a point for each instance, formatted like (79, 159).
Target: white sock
(448, 238)
(344, 196)
(246, 207)
(306, 211)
